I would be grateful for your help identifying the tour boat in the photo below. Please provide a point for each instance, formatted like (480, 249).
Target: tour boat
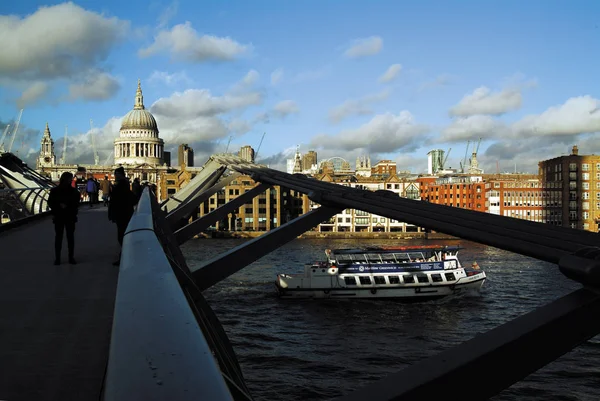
(420, 272)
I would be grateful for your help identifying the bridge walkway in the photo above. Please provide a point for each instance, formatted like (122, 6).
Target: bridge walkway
(55, 321)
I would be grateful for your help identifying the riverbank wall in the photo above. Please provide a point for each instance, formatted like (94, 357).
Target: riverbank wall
(333, 235)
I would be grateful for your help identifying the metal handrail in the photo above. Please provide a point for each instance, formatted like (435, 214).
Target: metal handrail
(157, 349)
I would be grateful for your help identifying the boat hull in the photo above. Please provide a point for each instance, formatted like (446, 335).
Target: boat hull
(416, 292)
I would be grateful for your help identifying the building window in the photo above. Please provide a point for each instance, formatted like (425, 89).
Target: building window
(585, 185)
(585, 176)
(585, 195)
(585, 167)
(585, 215)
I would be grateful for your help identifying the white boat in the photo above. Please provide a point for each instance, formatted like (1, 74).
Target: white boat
(420, 272)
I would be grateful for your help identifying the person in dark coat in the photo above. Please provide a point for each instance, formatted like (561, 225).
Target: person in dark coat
(120, 206)
(136, 188)
(64, 204)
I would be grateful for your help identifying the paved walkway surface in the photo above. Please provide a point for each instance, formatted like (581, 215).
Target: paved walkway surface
(55, 321)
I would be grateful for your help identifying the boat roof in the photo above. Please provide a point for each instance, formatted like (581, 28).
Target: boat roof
(393, 249)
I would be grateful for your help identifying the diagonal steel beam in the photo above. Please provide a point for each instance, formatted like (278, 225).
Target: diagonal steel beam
(185, 233)
(223, 266)
(507, 354)
(194, 186)
(185, 210)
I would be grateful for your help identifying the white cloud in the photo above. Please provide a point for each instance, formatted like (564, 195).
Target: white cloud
(247, 82)
(384, 133)
(96, 86)
(277, 76)
(364, 47)
(34, 93)
(56, 42)
(168, 14)
(184, 42)
(169, 79)
(391, 73)
(201, 103)
(472, 128)
(484, 101)
(576, 116)
(357, 107)
(285, 108)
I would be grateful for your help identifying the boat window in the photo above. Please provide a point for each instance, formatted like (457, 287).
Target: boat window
(436, 278)
(379, 279)
(408, 279)
(373, 258)
(350, 280)
(401, 257)
(365, 280)
(343, 259)
(450, 277)
(388, 257)
(422, 278)
(415, 255)
(394, 279)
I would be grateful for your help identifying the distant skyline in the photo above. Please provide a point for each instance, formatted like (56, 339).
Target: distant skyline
(387, 79)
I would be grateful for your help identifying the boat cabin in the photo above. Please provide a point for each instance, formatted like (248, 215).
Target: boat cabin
(392, 255)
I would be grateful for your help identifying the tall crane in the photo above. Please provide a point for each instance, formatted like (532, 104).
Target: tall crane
(12, 140)
(463, 164)
(96, 157)
(443, 166)
(228, 142)
(259, 145)
(63, 159)
(4, 137)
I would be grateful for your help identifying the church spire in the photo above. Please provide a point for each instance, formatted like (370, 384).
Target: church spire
(47, 131)
(139, 98)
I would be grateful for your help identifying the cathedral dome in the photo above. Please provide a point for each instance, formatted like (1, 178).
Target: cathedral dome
(139, 118)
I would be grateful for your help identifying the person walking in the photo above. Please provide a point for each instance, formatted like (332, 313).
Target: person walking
(64, 204)
(120, 206)
(136, 188)
(105, 187)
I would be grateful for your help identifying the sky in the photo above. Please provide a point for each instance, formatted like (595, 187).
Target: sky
(388, 79)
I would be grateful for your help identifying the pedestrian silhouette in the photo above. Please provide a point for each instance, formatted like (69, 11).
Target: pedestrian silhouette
(136, 188)
(105, 187)
(64, 204)
(120, 206)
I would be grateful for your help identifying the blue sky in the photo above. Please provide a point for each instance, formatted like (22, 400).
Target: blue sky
(521, 75)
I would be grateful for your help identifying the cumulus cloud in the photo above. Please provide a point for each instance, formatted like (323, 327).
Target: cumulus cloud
(357, 107)
(247, 82)
(56, 42)
(391, 73)
(95, 86)
(484, 101)
(33, 94)
(202, 103)
(472, 128)
(576, 116)
(277, 76)
(364, 47)
(384, 133)
(163, 77)
(285, 108)
(183, 42)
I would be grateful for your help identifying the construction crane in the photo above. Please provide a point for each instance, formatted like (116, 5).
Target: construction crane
(63, 159)
(463, 163)
(475, 151)
(96, 157)
(443, 166)
(4, 137)
(261, 141)
(108, 158)
(228, 142)
(12, 140)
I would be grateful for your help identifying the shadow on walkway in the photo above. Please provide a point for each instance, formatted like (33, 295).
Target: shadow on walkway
(55, 321)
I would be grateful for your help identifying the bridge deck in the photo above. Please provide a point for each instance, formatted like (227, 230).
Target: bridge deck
(55, 321)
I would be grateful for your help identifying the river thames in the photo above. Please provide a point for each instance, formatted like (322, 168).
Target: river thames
(318, 350)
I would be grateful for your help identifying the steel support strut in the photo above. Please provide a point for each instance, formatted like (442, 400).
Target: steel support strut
(223, 266)
(195, 227)
(507, 354)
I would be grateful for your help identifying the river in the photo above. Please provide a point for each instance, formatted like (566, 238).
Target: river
(318, 350)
